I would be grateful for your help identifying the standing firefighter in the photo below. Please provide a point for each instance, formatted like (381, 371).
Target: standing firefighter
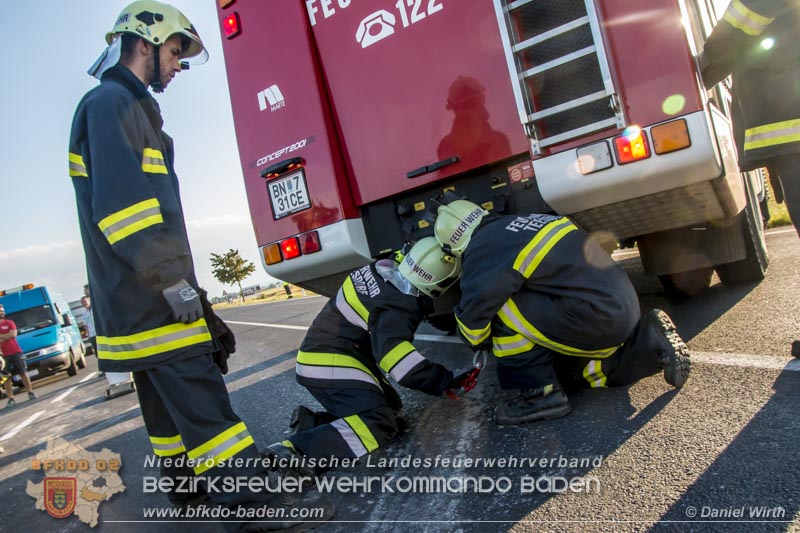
(756, 41)
(555, 309)
(150, 320)
(360, 335)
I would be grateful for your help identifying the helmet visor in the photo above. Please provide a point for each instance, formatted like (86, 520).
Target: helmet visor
(194, 52)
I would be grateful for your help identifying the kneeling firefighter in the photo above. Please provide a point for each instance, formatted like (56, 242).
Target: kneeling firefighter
(556, 310)
(359, 336)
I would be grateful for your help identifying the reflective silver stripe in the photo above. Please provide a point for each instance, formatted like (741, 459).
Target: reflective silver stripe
(552, 233)
(218, 450)
(507, 346)
(153, 161)
(334, 372)
(172, 449)
(150, 343)
(741, 17)
(772, 135)
(78, 170)
(348, 312)
(350, 437)
(406, 364)
(133, 219)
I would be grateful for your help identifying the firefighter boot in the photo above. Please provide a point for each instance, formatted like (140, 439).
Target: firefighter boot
(287, 461)
(672, 354)
(303, 419)
(541, 403)
(184, 498)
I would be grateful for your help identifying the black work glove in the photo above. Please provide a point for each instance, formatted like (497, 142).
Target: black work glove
(183, 302)
(224, 340)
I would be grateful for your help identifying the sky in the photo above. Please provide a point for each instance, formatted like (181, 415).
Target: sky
(47, 47)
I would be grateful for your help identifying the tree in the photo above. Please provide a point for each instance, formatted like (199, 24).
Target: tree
(230, 268)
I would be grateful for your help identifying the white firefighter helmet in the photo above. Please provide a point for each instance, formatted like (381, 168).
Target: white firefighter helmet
(455, 223)
(155, 22)
(430, 269)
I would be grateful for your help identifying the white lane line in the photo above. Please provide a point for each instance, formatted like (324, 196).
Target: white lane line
(64, 394)
(281, 326)
(711, 358)
(87, 378)
(28, 421)
(777, 231)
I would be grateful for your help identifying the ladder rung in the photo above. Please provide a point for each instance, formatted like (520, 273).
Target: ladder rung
(533, 41)
(572, 104)
(567, 135)
(557, 62)
(516, 5)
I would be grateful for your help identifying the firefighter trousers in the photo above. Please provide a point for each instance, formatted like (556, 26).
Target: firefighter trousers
(787, 169)
(635, 359)
(187, 413)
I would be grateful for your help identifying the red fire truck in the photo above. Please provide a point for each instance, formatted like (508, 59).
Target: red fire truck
(352, 115)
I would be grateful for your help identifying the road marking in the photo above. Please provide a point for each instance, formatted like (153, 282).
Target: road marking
(64, 394)
(28, 421)
(281, 326)
(775, 232)
(87, 378)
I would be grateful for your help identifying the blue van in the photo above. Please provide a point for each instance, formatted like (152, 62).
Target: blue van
(47, 330)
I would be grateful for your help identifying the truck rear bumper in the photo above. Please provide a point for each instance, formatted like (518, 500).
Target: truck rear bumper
(344, 247)
(697, 184)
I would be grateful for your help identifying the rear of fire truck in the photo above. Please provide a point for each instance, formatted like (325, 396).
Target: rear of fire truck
(352, 117)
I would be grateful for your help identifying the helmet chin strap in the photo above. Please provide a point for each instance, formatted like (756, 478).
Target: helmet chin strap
(156, 83)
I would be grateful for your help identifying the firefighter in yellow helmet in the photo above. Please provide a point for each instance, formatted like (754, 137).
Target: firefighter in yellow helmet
(555, 309)
(149, 310)
(362, 335)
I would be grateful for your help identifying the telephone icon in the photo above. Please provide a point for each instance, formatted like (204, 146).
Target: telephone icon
(375, 27)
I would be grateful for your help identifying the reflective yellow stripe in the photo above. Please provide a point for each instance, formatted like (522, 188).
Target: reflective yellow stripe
(743, 18)
(474, 336)
(153, 342)
(332, 359)
(512, 317)
(364, 434)
(513, 345)
(535, 251)
(77, 168)
(395, 355)
(167, 446)
(593, 373)
(351, 297)
(774, 134)
(128, 221)
(222, 447)
(153, 161)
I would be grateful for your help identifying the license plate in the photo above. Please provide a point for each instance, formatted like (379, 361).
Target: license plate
(288, 195)
(32, 373)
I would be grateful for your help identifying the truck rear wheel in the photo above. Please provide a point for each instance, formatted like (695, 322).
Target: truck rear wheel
(754, 266)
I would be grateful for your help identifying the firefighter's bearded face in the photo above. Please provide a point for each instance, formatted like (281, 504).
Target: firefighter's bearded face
(169, 55)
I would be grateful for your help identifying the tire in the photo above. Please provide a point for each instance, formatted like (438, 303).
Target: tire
(82, 361)
(754, 266)
(682, 285)
(72, 369)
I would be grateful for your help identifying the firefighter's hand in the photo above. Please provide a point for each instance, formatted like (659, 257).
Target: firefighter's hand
(462, 382)
(184, 302)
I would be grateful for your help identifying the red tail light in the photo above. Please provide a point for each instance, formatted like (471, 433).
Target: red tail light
(231, 25)
(309, 243)
(290, 248)
(631, 145)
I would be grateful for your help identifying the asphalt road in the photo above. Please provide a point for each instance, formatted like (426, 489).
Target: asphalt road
(718, 455)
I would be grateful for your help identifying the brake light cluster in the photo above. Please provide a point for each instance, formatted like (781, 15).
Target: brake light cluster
(304, 244)
(633, 145)
(231, 25)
